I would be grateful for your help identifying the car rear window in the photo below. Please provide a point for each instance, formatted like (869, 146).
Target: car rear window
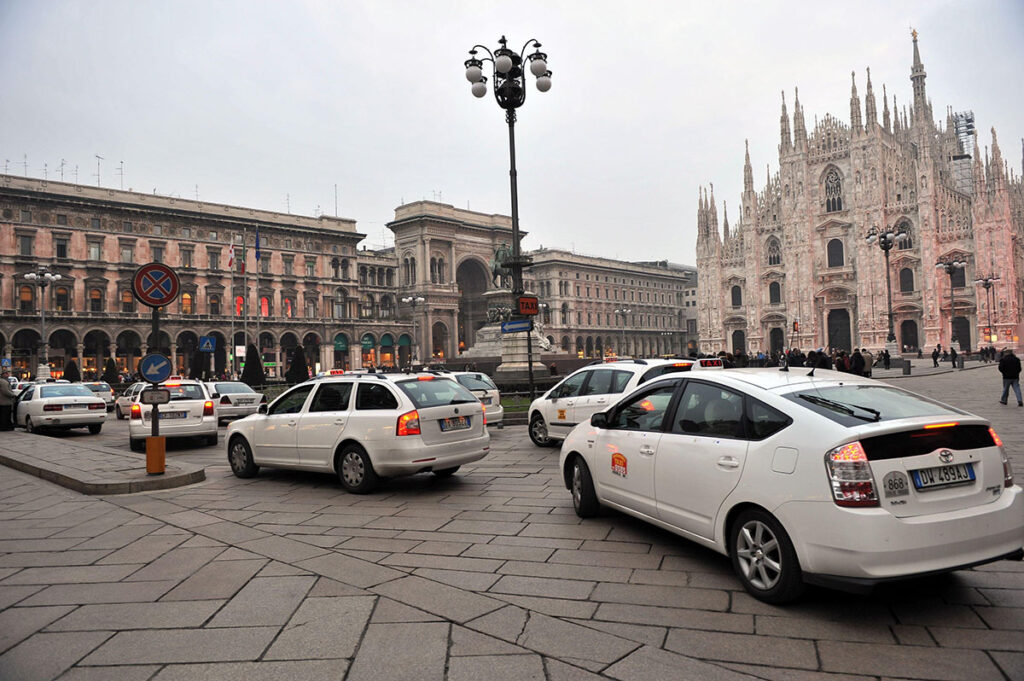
(65, 391)
(854, 405)
(673, 368)
(229, 388)
(98, 387)
(189, 391)
(436, 392)
(476, 382)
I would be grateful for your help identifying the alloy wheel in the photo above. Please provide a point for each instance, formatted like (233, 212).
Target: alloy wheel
(759, 555)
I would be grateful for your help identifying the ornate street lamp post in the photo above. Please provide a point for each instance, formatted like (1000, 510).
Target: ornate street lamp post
(987, 283)
(414, 301)
(886, 240)
(622, 329)
(950, 266)
(42, 278)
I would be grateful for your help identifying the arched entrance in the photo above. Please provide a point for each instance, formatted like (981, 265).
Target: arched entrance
(341, 352)
(220, 352)
(128, 352)
(776, 341)
(368, 345)
(590, 347)
(471, 276)
(404, 350)
(289, 341)
(268, 354)
(160, 343)
(579, 346)
(311, 349)
(962, 332)
(96, 349)
(839, 335)
(63, 349)
(739, 341)
(387, 350)
(188, 343)
(908, 335)
(24, 351)
(439, 341)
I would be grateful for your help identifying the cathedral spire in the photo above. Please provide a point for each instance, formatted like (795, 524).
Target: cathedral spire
(979, 170)
(885, 110)
(787, 143)
(712, 210)
(870, 114)
(725, 220)
(917, 76)
(855, 123)
(748, 172)
(997, 160)
(799, 130)
(895, 116)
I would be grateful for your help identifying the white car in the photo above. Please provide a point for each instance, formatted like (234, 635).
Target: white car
(234, 399)
(60, 405)
(481, 385)
(595, 387)
(363, 427)
(123, 402)
(190, 413)
(102, 390)
(828, 479)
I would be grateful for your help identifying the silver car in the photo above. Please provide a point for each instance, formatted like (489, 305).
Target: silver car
(234, 399)
(102, 390)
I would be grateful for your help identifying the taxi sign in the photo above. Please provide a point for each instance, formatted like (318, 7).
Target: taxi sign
(155, 396)
(529, 305)
(155, 285)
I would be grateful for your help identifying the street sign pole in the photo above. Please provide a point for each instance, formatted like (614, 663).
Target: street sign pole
(153, 347)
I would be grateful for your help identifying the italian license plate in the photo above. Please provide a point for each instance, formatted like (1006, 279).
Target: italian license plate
(485, 400)
(943, 476)
(170, 415)
(245, 401)
(455, 423)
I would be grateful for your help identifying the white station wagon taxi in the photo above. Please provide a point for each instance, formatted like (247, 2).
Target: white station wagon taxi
(829, 479)
(364, 427)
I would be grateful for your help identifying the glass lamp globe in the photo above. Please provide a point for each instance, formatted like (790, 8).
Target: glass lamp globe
(544, 83)
(479, 89)
(474, 74)
(538, 67)
(503, 64)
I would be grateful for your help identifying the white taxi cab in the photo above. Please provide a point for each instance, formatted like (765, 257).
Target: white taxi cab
(800, 478)
(481, 385)
(364, 427)
(60, 405)
(595, 387)
(190, 413)
(234, 399)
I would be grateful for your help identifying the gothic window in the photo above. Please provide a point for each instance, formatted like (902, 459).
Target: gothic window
(959, 278)
(440, 270)
(907, 242)
(906, 280)
(774, 252)
(335, 266)
(774, 293)
(412, 270)
(391, 277)
(833, 191)
(310, 307)
(835, 253)
(737, 296)
(344, 269)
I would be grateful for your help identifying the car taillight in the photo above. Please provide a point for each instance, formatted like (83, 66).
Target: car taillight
(225, 400)
(408, 424)
(1007, 469)
(850, 474)
(136, 411)
(484, 407)
(97, 406)
(52, 407)
(208, 408)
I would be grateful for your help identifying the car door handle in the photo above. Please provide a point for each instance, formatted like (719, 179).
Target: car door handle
(339, 422)
(601, 400)
(291, 423)
(646, 450)
(728, 462)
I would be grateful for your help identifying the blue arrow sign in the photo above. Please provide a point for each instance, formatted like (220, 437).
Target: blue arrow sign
(155, 368)
(207, 343)
(517, 326)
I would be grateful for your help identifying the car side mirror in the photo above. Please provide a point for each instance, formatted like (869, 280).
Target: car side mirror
(599, 420)
(262, 409)
(214, 395)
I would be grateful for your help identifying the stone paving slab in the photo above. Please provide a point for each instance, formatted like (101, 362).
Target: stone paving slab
(90, 469)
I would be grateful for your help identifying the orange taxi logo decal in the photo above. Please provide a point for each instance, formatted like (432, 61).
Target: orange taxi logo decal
(561, 414)
(619, 465)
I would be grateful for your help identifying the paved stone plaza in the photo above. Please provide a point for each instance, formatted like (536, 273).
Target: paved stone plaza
(488, 575)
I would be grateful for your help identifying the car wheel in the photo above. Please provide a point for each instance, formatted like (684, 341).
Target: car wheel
(211, 440)
(120, 414)
(764, 559)
(539, 432)
(584, 498)
(447, 472)
(137, 444)
(240, 458)
(29, 428)
(95, 428)
(355, 470)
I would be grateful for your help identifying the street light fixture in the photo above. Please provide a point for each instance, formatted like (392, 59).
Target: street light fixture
(414, 301)
(42, 278)
(510, 93)
(623, 311)
(950, 265)
(987, 283)
(886, 240)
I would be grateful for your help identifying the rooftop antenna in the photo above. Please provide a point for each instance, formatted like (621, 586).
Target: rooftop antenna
(24, 163)
(120, 171)
(62, 163)
(98, 159)
(44, 171)
(335, 199)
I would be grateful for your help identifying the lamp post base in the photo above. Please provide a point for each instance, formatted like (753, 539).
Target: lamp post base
(43, 372)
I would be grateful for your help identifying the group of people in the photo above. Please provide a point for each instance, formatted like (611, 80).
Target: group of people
(945, 355)
(858, 362)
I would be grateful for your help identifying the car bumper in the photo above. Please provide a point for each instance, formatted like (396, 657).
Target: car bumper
(871, 545)
(406, 458)
(138, 428)
(225, 411)
(70, 420)
(495, 414)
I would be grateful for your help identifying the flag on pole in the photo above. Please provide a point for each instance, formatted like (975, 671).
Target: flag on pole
(257, 244)
(231, 257)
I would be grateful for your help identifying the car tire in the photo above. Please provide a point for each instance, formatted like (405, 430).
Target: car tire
(211, 440)
(355, 470)
(120, 414)
(137, 444)
(539, 432)
(95, 428)
(581, 484)
(764, 559)
(240, 459)
(447, 472)
(29, 428)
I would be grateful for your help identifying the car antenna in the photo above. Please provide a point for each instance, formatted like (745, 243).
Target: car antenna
(811, 372)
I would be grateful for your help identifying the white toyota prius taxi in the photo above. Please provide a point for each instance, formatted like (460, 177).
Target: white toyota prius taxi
(802, 477)
(364, 427)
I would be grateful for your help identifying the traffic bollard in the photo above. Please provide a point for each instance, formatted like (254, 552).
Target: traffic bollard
(156, 454)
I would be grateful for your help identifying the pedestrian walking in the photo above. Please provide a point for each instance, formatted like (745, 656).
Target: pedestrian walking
(935, 356)
(886, 359)
(857, 363)
(6, 402)
(1009, 367)
(952, 357)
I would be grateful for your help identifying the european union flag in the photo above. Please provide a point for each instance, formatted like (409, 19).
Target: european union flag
(257, 244)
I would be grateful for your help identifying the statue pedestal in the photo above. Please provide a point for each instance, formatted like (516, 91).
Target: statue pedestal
(510, 347)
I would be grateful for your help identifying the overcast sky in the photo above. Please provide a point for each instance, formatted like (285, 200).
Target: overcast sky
(272, 104)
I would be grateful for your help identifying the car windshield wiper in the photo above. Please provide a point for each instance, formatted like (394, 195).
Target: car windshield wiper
(842, 408)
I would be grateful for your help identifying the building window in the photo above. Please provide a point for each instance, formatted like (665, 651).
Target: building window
(214, 304)
(289, 308)
(774, 293)
(310, 267)
(60, 247)
(62, 299)
(95, 300)
(26, 299)
(186, 232)
(737, 296)
(127, 253)
(774, 252)
(127, 301)
(214, 256)
(126, 226)
(25, 244)
(959, 278)
(310, 308)
(62, 219)
(366, 306)
(95, 250)
(157, 253)
(265, 264)
(835, 253)
(340, 306)
(158, 230)
(264, 306)
(186, 257)
(906, 280)
(187, 306)
(287, 265)
(907, 241)
(94, 223)
(239, 305)
(833, 191)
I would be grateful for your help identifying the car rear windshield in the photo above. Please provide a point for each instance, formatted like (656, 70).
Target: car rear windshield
(436, 392)
(189, 391)
(476, 382)
(98, 387)
(855, 405)
(65, 391)
(227, 388)
(673, 368)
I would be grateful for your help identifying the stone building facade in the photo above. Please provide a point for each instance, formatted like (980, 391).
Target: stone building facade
(796, 269)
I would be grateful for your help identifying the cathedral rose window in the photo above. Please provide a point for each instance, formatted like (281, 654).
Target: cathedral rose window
(833, 192)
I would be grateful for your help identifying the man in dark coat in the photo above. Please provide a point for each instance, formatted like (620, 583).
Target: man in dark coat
(935, 356)
(857, 363)
(6, 402)
(1009, 367)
